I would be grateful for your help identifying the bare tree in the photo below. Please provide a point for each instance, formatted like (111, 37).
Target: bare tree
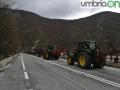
(8, 30)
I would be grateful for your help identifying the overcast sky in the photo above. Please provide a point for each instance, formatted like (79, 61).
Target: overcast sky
(60, 9)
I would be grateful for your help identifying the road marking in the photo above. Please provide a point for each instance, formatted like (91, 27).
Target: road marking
(83, 73)
(26, 75)
(23, 62)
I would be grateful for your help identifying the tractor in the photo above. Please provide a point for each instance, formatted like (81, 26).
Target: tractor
(28, 50)
(40, 52)
(53, 52)
(35, 51)
(87, 53)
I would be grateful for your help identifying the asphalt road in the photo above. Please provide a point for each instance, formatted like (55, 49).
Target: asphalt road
(34, 73)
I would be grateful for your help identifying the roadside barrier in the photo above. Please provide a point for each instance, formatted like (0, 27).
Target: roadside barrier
(7, 60)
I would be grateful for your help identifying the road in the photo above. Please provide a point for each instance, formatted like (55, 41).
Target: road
(34, 73)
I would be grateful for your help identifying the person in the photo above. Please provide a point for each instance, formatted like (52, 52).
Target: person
(87, 45)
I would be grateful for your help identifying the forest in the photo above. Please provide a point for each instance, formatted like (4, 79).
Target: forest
(9, 41)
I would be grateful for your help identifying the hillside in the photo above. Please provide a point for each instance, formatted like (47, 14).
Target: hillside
(101, 27)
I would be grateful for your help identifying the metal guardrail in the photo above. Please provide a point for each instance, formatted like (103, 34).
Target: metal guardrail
(108, 58)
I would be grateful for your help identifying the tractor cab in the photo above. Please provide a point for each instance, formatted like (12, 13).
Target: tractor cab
(41, 49)
(82, 45)
(51, 47)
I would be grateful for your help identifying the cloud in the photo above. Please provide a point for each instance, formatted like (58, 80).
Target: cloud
(62, 9)
(50, 8)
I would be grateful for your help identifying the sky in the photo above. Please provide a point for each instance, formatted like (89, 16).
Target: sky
(60, 9)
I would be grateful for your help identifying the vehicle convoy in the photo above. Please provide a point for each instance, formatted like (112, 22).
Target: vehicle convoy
(29, 50)
(87, 54)
(35, 51)
(25, 51)
(53, 52)
(40, 52)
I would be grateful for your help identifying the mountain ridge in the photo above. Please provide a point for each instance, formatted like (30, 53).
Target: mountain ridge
(101, 27)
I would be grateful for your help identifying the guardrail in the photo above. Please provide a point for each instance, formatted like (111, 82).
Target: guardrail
(108, 58)
(7, 60)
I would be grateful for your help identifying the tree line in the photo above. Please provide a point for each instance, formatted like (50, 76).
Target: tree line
(9, 40)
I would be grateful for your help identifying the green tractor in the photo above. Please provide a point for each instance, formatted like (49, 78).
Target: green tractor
(51, 52)
(87, 54)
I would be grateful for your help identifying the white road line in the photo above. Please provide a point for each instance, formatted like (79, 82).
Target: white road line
(23, 62)
(85, 74)
(26, 75)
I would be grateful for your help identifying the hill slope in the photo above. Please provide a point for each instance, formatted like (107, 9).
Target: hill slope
(101, 27)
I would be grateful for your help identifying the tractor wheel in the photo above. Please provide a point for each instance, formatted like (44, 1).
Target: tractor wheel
(84, 60)
(57, 57)
(39, 55)
(44, 55)
(99, 64)
(47, 56)
(70, 60)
